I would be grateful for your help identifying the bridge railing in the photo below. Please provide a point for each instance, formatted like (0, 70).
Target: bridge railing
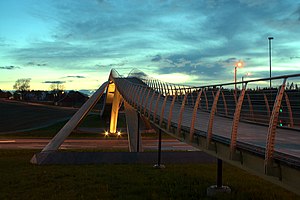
(257, 104)
(200, 108)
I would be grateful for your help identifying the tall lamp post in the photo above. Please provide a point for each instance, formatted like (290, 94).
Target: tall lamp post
(238, 64)
(270, 59)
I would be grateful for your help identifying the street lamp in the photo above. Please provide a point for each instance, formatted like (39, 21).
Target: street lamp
(238, 64)
(270, 60)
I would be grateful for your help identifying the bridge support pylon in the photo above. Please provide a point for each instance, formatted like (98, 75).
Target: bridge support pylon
(115, 111)
(133, 128)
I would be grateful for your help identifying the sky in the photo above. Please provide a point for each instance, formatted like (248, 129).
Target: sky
(194, 42)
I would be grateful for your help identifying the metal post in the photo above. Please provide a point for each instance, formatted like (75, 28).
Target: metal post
(159, 148)
(138, 133)
(242, 81)
(235, 80)
(219, 188)
(219, 173)
(270, 59)
(159, 165)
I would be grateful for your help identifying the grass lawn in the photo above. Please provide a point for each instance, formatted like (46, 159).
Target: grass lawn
(22, 180)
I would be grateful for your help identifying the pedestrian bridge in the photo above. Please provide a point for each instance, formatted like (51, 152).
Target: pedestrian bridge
(246, 124)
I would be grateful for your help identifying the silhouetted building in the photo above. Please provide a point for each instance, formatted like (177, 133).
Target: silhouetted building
(72, 98)
(5, 95)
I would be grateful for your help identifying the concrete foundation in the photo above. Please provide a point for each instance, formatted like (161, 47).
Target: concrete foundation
(214, 190)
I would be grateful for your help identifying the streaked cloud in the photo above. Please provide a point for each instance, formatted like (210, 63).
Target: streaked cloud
(10, 67)
(75, 77)
(54, 82)
(111, 65)
(36, 64)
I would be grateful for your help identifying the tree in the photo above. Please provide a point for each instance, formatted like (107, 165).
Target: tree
(57, 86)
(22, 85)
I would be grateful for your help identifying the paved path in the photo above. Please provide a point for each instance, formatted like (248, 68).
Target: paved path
(148, 144)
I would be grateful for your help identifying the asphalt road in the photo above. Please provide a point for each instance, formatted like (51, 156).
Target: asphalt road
(15, 115)
(122, 144)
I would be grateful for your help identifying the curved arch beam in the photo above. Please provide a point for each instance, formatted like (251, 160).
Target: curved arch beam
(270, 143)
(250, 106)
(171, 111)
(235, 122)
(146, 101)
(156, 107)
(150, 106)
(180, 115)
(211, 117)
(163, 111)
(206, 100)
(267, 105)
(194, 116)
(225, 103)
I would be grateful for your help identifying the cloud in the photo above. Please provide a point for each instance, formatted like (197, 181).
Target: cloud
(75, 77)
(3, 42)
(256, 3)
(36, 64)
(199, 37)
(156, 58)
(202, 70)
(112, 65)
(99, 66)
(297, 12)
(54, 82)
(295, 57)
(63, 36)
(10, 67)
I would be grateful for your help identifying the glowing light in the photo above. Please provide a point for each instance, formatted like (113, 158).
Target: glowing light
(106, 133)
(239, 64)
(119, 133)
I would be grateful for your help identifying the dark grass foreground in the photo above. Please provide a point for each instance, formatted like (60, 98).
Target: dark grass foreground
(22, 180)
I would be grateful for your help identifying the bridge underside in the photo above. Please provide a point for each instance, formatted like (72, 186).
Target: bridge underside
(164, 114)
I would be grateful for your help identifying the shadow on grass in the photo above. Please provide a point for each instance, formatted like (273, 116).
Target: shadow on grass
(21, 180)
